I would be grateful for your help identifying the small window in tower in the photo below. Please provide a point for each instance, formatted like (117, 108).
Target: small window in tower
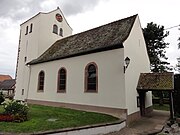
(26, 30)
(22, 92)
(31, 26)
(55, 29)
(25, 59)
(61, 32)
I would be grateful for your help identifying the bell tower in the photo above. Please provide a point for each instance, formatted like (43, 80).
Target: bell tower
(37, 34)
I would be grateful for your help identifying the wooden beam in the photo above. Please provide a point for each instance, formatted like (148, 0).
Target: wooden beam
(171, 106)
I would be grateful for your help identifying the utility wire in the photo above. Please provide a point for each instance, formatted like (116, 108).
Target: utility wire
(172, 27)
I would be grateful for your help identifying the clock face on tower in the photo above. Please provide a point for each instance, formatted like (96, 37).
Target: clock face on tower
(59, 18)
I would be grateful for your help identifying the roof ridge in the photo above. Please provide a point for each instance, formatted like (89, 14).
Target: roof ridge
(100, 26)
(39, 14)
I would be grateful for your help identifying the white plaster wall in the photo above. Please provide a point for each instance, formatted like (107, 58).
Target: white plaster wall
(35, 43)
(110, 80)
(135, 49)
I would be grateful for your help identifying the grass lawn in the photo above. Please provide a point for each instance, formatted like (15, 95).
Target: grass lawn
(39, 115)
(165, 107)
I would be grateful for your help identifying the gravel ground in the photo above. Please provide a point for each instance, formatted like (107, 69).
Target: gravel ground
(152, 123)
(125, 131)
(170, 129)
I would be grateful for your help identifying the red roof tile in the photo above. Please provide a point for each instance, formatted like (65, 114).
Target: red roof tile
(5, 77)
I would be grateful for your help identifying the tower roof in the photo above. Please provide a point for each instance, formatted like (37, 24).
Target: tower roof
(47, 13)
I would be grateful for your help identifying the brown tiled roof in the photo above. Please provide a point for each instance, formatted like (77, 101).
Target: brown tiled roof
(5, 77)
(7, 84)
(106, 37)
(156, 81)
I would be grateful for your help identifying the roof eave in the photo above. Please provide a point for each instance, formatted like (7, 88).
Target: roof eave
(155, 89)
(117, 46)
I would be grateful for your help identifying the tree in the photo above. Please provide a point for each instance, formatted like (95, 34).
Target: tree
(177, 68)
(178, 59)
(179, 40)
(176, 95)
(154, 37)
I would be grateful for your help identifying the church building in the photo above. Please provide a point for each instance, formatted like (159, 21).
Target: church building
(96, 70)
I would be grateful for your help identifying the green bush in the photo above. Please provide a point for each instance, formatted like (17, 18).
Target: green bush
(17, 109)
(1, 98)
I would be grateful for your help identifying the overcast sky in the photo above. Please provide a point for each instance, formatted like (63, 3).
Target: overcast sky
(83, 15)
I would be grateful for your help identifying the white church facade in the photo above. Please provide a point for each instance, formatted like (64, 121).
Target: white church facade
(83, 71)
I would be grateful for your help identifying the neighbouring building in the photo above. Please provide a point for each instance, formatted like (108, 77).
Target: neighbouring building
(96, 70)
(7, 87)
(4, 77)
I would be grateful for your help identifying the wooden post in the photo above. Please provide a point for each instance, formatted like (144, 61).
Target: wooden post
(142, 103)
(171, 105)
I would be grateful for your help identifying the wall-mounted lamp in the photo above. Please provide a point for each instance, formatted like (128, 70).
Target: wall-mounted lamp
(127, 61)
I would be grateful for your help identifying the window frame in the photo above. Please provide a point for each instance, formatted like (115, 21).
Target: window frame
(86, 90)
(55, 29)
(59, 80)
(39, 81)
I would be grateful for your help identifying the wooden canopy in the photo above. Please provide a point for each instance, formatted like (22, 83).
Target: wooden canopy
(156, 81)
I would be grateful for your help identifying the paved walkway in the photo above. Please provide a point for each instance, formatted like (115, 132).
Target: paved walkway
(149, 124)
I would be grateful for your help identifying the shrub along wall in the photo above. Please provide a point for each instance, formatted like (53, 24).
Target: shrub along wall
(14, 111)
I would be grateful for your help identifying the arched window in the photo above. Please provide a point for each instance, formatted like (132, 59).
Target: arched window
(91, 78)
(26, 30)
(61, 32)
(55, 29)
(41, 81)
(62, 80)
(31, 26)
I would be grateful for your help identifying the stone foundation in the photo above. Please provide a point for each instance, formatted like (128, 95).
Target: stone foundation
(149, 109)
(137, 115)
(133, 117)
